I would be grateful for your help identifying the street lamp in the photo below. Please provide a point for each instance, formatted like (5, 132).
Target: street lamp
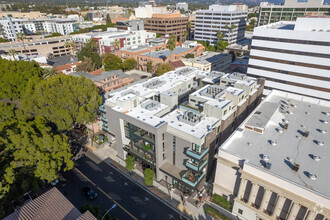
(114, 205)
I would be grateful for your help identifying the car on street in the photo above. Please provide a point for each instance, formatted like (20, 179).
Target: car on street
(89, 192)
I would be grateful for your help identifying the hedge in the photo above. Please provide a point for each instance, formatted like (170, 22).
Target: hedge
(215, 214)
(220, 201)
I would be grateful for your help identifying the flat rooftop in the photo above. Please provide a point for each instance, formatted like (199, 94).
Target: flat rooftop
(136, 48)
(208, 57)
(34, 42)
(283, 146)
(165, 53)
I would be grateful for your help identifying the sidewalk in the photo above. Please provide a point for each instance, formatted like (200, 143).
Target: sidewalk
(108, 154)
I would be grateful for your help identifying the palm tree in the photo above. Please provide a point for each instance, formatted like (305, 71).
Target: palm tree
(116, 43)
(220, 35)
(188, 27)
(12, 52)
(186, 34)
(171, 43)
(70, 44)
(21, 37)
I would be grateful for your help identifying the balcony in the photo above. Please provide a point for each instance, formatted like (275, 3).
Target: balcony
(191, 179)
(144, 135)
(105, 128)
(145, 147)
(197, 155)
(104, 118)
(102, 108)
(138, 154)
(196, 167)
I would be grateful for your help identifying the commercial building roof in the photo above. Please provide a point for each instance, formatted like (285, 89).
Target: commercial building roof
(208, 57)
(162, 54)
(102, 76)
(284, 133)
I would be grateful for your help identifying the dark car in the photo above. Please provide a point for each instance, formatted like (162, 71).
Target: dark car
(89, 192)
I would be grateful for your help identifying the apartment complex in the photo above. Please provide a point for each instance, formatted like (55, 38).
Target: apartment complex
(10, 27)
(229, 19)
(106, 40)
(275, 165)
(210, 61)
(293, 56)
(48, 47)
(291, 10)
(177, 139)
(167, 24)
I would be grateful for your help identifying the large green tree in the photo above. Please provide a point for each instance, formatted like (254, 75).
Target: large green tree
(129, 64)
(31, 144)
(149, 66)
(221, 45)
(89, 51)
(87, 65)
(163, 68)
(108, 19)
(171, 43)
(63, 100)
(148, 177)
(112, 62)
(129, 163)
(15, 75)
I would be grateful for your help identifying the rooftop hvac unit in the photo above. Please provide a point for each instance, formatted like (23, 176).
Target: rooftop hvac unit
(306, 133)
(286, 126)
(268, 165)
(295, 167)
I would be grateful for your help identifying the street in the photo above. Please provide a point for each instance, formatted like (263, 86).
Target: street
(132, 201)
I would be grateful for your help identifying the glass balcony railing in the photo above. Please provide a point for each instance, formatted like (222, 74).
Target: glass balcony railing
(102, 108)
(138, 154)
(196, 167)
(191, 179)
(105, 128)
(197, 155)
(104, 118)
(144, 136)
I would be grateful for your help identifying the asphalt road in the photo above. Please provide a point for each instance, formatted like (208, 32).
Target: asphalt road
(133, 202)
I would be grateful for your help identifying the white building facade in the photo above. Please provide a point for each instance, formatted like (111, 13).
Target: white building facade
(182, 6)
(269, 171)
(229, 19)
(293, 56)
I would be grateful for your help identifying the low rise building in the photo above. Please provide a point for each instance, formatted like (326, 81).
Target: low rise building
(67, 68)
(181, 6)
(210, 61)
(152, 122)
(147, 11)
(275, 165)
(130, 25)
(48, 47)
(167, 24)
(22, 15)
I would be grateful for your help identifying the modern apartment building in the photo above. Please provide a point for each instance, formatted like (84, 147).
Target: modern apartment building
(229, 19)
(167, 24)
(210, 61)
(106, 40)
(293, 56)
(48, 47)
(291, 10)
(10, 27)
(153, 121)
(275, 165)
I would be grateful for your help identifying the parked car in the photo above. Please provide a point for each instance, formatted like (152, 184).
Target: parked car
(89, 192)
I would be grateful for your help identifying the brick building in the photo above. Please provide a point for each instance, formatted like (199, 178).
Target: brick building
(167, 24)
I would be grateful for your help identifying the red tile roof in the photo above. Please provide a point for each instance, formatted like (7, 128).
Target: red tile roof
(177, 64)
(50, 205)
(96, 72)
(66, 66)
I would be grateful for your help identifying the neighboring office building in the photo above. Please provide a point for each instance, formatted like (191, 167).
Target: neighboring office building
(167, 24)
(210, 61)
(290, 11)
(147, 11)
(163, 56)
(106, 39)
(50, 205)
(181, 6)
(54, 46)
(151, 122)
(293, 56)
(23, 15)
(62, 26)
(131, 25)
(221, 17)
(275, 165)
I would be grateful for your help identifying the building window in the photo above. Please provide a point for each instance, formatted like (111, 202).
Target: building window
(174, 140)
(240, 211)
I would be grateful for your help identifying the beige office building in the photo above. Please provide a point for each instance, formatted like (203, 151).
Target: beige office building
(276, 164)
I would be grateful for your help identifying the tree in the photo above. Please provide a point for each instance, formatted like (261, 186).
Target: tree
(2, 40)
(15, 75)
(88, 51)
(55, 35)
(185, 34)
(37, 33)
(189, 28)
(70, 45)
(220, 35)
(21, 37)
(171, 43)
(221, 45)
(148, 177)
(149, 66)
(48, 72)
(189, 55)
(129, 163)
(163, 68)
(116, 43)
(64, 100)
(31, 144)
(87, 65)
(12, 53)
(233, 26)
(157, 35)
(112, 62)
(129, 64)
(108, 19)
